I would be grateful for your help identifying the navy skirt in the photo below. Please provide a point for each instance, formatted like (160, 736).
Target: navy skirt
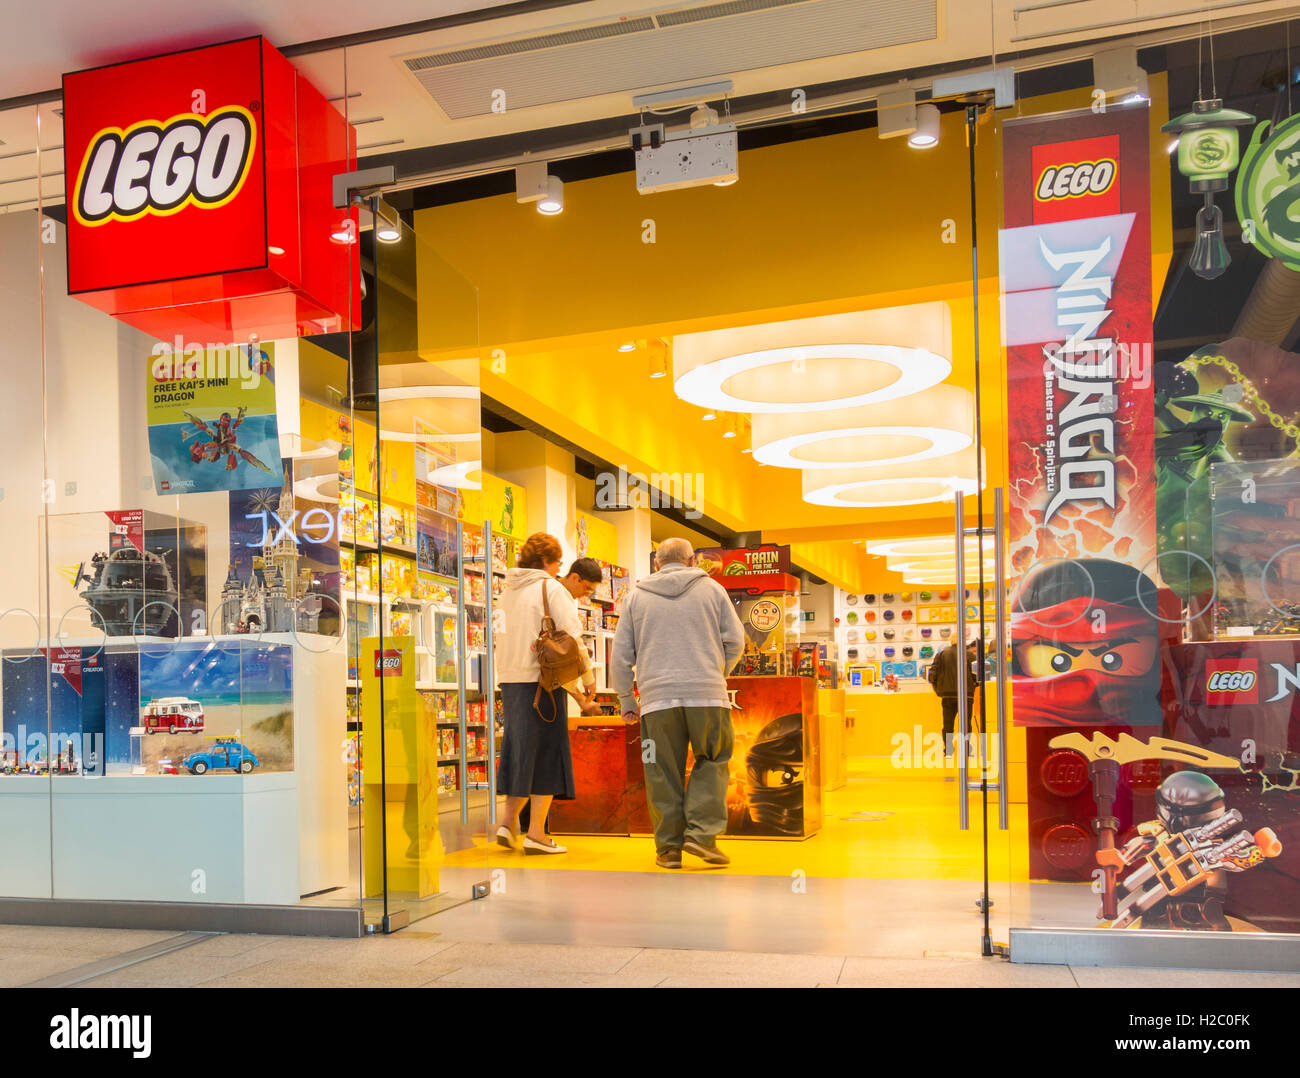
(535, 756)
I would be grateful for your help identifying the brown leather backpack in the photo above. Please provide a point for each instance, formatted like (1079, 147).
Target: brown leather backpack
(558, 654)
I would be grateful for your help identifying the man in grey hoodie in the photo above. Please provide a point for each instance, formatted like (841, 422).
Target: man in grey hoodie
(680, 631)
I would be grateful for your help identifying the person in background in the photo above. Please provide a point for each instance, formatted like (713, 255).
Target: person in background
(680, 632)
(536, 762)
(580, 581)
(944, 678)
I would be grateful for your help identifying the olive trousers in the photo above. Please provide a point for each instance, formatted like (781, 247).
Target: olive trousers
(679, 810)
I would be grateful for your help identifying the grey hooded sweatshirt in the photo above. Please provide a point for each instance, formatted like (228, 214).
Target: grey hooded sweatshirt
(681, 633)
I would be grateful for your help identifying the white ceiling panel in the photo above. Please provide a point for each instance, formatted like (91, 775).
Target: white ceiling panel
(678, 45)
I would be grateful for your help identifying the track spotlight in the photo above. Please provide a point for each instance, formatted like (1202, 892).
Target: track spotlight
(552, 202)
(927, 128)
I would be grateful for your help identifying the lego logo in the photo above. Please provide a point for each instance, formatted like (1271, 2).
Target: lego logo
(162, 168)
(1075, 180)
(1231, 681)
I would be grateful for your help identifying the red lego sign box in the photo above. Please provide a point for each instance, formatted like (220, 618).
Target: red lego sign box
(199, 196)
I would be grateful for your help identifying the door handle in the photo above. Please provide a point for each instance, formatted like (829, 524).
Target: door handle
(1000, 615)
(963, 710)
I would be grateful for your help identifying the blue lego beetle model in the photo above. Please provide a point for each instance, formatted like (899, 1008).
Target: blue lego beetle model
(225, 753)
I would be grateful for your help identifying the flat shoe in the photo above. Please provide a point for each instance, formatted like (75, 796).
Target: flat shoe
(710, 855)
(506, 837)
(533, 846)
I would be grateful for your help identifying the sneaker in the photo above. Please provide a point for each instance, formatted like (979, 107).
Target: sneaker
(671, 858)
(531, 845)
(709, 854)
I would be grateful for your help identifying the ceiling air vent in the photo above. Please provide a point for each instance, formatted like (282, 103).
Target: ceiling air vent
(677, 45)
(531, 44)
(718, 11)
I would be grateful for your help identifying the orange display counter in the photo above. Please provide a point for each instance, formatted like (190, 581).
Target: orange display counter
(775, 789)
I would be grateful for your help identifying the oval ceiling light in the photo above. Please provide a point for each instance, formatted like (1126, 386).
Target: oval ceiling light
(945, 567)
(933, 423)
(914, 563)
(938, 479)
(466, 475)
(430, 413)
(816, 364)
(937, 580)
(921, 545)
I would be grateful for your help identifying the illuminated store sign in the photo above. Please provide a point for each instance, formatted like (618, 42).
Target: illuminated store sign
(199, 189)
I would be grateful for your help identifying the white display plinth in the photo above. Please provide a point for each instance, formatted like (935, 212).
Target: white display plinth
(265, 837)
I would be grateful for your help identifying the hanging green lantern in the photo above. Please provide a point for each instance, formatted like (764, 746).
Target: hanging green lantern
(1208, 151)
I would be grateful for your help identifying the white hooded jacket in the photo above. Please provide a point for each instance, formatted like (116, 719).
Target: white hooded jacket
(514, 660)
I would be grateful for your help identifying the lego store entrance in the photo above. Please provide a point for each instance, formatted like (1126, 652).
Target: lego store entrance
(719, 365)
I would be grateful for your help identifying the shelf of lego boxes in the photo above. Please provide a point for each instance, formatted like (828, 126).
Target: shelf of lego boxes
(409, 601)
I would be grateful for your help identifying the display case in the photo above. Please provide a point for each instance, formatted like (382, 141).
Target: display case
(1255, 517)
(768, 607)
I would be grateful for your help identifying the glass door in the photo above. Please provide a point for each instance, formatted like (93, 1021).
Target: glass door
(419, 547)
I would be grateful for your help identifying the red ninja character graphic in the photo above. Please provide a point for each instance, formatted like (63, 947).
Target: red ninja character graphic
(1084, 645)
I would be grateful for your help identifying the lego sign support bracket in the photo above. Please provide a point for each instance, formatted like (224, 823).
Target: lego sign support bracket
(351, 188)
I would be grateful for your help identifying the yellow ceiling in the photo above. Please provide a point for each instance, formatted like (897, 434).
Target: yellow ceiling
(828, 225)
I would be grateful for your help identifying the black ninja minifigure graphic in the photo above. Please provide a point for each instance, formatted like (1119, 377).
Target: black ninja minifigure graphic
(774, 767)
(1185, 857)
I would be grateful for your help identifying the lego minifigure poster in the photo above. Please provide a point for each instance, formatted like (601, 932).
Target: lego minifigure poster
(1076, 279)
(212, 419)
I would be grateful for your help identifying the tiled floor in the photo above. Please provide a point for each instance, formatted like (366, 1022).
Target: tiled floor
(439, 960)
(575, 929)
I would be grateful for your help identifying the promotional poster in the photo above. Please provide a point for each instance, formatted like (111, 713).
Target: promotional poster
(1076, 277)
(274, 530)
(775, 784)
(242, 693)
(70, 739)
(750, 561)
(212, 419)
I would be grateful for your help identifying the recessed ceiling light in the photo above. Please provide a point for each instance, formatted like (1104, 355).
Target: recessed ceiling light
(708, 416)
(919, 482)
(933, 423)
(627, 346)
(721, 383)
(275, 250)
(728, 433)
(816, 364)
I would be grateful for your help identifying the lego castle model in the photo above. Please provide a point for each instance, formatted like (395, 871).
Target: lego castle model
(277, 597)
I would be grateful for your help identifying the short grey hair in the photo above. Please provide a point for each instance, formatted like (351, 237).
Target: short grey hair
(674, 552)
